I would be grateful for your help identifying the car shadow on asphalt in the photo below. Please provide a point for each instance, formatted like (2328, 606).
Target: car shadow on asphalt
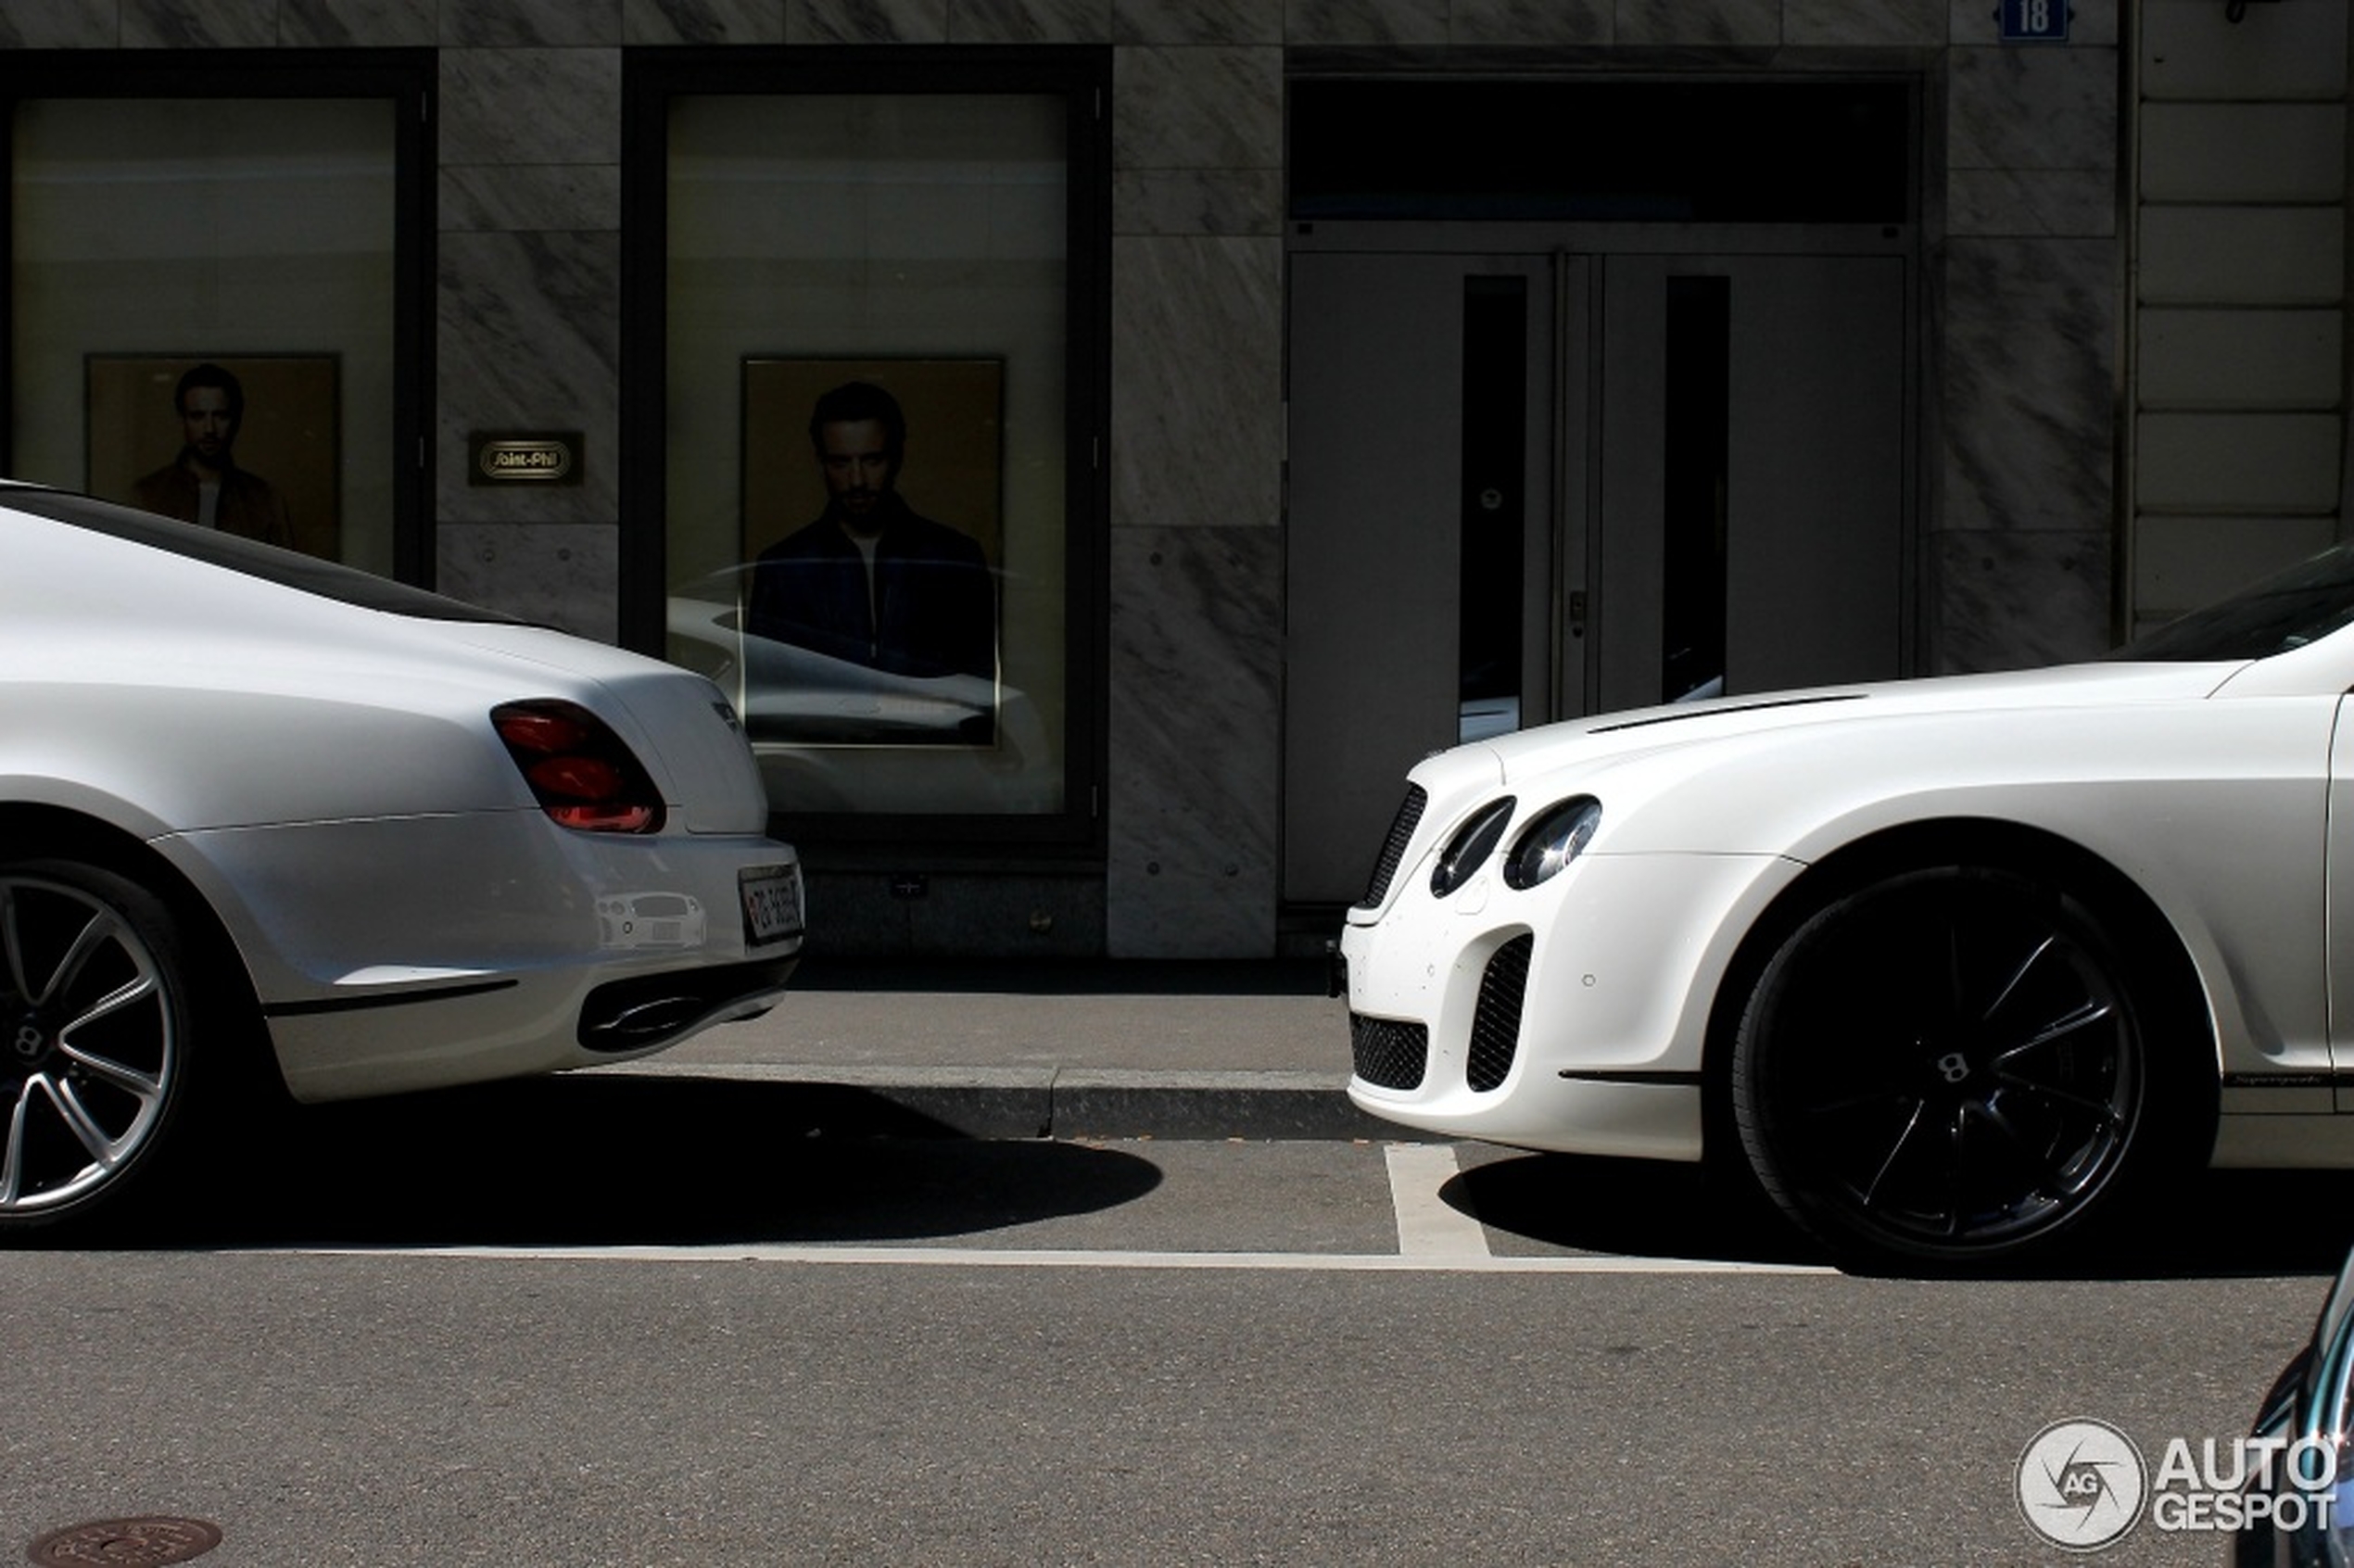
(617, 1161)
(2228, 1225)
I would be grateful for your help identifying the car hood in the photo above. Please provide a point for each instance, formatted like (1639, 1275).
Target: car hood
(1643, 730)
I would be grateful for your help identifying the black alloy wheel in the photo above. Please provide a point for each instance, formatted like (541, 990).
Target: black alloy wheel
(1948, 1067)
(95, 1021)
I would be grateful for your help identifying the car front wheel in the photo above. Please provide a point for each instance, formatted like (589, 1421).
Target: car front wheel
(1949, 1067)
(96, 1019)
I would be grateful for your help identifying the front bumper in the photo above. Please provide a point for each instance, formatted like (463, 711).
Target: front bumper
(1573, 1016)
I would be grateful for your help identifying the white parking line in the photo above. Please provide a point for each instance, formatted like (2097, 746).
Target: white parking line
(1008, 1257)
(1428, 1226)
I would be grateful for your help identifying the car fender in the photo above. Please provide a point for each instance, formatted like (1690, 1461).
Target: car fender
(2214, 811)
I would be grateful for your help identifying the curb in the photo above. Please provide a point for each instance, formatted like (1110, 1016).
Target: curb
(1048, 1101)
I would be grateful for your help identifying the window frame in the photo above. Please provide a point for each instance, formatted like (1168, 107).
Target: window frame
(407, 78)
(1081, 76)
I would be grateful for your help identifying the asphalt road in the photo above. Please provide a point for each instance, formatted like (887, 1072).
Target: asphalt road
(574, 1323)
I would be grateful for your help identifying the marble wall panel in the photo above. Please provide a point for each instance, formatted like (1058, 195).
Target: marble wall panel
(1197, 382)
(867, 21)
(515, 24)
(1365, 22)
(200, 24)
(1521, 22)
(702, 21)
(341, 24)
(2028, 383)
(2014, 600)
(562, 575)
(1197, 202)
(1030, 22)
(2031, 109)
(1198, 21)
(561, 196)
(2031, 202)
(528, 338)
(1195, 676)
(1709, 23)
(60, 24)
(530, 106)
(1200, 108)
(1866, 23)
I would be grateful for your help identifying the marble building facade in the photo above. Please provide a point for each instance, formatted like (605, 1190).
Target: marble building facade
(2028, 528)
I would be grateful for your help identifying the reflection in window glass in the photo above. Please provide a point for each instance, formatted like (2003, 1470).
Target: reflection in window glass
(865, 480)
(203, 310)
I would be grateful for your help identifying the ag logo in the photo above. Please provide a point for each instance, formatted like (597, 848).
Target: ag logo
(2082, 1484)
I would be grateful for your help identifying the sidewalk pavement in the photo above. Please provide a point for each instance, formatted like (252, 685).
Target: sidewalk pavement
(1022, 1049)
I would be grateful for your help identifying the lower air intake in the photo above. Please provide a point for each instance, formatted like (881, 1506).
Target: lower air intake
(1390, 1055)
(1495, 1036)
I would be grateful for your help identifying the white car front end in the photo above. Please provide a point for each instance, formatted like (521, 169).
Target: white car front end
(1586, 1008)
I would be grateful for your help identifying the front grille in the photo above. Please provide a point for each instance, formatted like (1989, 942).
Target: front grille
(1495, 1036)
(1390, 1053)
(1393, 849)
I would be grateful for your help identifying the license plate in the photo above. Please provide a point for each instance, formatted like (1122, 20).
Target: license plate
(772, 902)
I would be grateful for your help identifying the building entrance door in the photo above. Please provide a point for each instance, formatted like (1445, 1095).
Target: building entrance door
(1422, 497)
(1531, 485)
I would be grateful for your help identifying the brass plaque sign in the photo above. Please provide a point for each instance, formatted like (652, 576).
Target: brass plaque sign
(538, 457)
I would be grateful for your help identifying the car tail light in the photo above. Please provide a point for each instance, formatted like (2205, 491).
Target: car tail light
(578, 768)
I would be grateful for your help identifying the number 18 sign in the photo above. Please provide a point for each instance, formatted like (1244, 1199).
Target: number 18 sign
(2033, 21)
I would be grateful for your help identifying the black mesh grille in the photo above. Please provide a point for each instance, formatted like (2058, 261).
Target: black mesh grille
(1393, 849)
(1390, 1055)
(1495, 1036)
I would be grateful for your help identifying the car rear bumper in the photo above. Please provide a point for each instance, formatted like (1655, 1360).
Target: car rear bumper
(508, 1027)
(487, 945)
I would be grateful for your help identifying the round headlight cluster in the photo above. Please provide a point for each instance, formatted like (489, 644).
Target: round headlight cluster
(1551, 842)
(1469, 849)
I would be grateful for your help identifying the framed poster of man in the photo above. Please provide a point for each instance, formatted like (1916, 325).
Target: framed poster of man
(247, 443)
(873, 534)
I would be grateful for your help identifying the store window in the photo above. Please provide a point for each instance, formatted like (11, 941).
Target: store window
(873, 515)
(211, 304)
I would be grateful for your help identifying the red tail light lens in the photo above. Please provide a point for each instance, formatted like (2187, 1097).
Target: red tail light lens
(579, 769)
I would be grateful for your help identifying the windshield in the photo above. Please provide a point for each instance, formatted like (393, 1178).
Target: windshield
(2303, 604)
(328, 579)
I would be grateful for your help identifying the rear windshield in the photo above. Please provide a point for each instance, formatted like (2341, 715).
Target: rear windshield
(2303, 604)
(288, 568)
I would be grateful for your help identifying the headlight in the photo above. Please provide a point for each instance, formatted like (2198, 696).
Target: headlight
(1469, 849)
(1553, 842)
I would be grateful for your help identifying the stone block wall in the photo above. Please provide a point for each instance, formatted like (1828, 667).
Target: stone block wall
(2024, 293)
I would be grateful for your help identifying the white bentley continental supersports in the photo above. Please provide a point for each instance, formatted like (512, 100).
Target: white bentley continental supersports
(1958, 968)
(272, 824)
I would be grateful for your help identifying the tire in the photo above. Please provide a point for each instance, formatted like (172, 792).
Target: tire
(1957, 1067)
(98, 1015)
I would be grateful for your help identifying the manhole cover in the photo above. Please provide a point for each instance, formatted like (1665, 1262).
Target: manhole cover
(125, 1543)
